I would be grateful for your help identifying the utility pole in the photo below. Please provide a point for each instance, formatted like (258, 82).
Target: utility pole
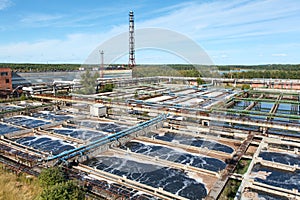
(102, 64)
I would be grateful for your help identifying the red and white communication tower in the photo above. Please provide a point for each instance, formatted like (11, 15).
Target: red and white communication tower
(131, 62)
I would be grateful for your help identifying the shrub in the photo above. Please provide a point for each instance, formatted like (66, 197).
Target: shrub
(51, 176)
(63, 191)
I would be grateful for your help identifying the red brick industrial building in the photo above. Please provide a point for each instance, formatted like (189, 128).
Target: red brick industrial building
(5, 79)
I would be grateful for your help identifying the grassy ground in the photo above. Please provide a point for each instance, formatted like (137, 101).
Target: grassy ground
(242, 166)
(230, 190)
(22, 187)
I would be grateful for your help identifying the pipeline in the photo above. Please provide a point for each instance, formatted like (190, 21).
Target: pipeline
(80, 150)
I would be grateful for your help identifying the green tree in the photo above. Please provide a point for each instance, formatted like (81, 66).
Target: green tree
(136, 94)
(108, 88)
(245, 87)
(88, 82)
(63, 191)
(51, 176)
(23, 97)
(200, 81)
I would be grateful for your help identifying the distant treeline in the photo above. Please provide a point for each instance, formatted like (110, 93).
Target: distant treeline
(165, 70)
(293, 67)
(278, 71)
(276, 74)
(40, 67)
(175, 70)
(230, 71)
(234, 71)
(19, 67)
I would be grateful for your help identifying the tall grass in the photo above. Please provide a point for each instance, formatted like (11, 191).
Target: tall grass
(21, 187)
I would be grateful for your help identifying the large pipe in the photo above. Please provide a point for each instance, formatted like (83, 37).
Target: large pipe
(115, 137)
(73, 152)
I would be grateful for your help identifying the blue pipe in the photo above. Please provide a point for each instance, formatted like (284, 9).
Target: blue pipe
(110, 140)
(106, 139)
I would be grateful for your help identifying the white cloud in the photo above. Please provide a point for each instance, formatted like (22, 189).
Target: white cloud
(5, 4)
(279, 54)
(73, 49)
(223, 20)
(40, 18)
(214, 22)
(224, 56)
(81, 18)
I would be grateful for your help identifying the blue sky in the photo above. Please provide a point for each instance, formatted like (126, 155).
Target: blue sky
(230, 31)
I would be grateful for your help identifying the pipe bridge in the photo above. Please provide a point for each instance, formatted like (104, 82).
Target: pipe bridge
(94, 148)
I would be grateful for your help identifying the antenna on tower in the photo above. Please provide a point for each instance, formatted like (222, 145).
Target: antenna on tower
(131, 62)
(102, 64)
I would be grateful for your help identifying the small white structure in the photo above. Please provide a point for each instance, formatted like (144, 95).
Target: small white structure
(98, 110)
(28, 90)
